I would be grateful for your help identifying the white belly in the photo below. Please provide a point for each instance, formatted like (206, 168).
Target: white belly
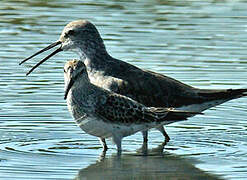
(99, 128)
(103, 129)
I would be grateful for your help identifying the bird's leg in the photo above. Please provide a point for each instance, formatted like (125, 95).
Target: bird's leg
(144, 148)
(162, 130)
(102, 156)
(102, 141)
(118, 141)
(145, 136)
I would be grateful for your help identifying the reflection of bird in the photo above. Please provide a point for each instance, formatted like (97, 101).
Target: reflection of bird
(136, 166)
(146, 87)
(105, 114)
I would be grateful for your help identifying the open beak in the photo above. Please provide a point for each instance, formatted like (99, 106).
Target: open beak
(46, 58)
(68, 87)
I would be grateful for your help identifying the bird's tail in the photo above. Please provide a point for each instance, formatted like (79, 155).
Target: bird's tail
(227, 94)
(171, 114)
(178, 115)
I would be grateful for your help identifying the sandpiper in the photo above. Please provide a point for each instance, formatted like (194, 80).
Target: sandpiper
(105, 114)
(146, 87)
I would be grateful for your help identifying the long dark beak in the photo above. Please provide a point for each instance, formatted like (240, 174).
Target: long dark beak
(68, 87)
(46, 58)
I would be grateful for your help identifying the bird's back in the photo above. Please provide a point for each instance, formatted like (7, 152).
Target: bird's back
(154, 89)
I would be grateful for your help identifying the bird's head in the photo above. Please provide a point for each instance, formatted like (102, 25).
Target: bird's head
(73, 71)
(80, 36)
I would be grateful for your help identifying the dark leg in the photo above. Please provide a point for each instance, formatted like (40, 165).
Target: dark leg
(162, 130)
(145, 136)
(102, 141)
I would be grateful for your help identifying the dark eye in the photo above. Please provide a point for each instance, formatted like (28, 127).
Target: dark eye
(70, 33)
(64, 71)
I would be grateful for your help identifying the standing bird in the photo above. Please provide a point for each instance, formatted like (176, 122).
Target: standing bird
(105, 114)
(146, 87)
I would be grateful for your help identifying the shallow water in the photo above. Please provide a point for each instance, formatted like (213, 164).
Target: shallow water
(202, 43)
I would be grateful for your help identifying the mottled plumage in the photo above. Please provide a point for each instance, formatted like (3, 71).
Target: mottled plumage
(146, 87)
(105, 114)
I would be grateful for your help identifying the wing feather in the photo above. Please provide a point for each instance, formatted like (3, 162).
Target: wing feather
(119, 109)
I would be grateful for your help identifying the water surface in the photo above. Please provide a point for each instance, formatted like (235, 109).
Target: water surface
(202, 43)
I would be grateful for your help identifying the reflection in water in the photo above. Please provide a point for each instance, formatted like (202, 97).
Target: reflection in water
(155, 165)
(145, 151)
(202, 43)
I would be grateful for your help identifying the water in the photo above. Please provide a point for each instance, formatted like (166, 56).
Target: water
(202, 43)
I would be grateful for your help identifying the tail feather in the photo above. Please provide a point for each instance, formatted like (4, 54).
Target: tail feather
(216, 97)
(223, 94)
(178, 115)
(170, 114)
(210, 98)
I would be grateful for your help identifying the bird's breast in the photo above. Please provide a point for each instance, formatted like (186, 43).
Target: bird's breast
(107, 82)
(98, 127)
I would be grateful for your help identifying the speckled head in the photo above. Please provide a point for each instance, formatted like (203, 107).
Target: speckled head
(74, 66)
(73, 70)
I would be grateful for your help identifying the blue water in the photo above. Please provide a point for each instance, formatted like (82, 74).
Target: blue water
(201, 43)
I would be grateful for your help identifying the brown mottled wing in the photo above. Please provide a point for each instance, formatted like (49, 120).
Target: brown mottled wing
(120, 109)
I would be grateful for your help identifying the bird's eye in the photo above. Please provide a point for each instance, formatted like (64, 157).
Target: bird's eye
(69, 33)
(64, 71)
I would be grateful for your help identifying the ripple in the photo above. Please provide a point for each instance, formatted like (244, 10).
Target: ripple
(201, 43)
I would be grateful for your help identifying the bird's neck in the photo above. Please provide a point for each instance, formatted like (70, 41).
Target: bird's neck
(94, 55)
(98, 62)
(79, 97)
(82, 85)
